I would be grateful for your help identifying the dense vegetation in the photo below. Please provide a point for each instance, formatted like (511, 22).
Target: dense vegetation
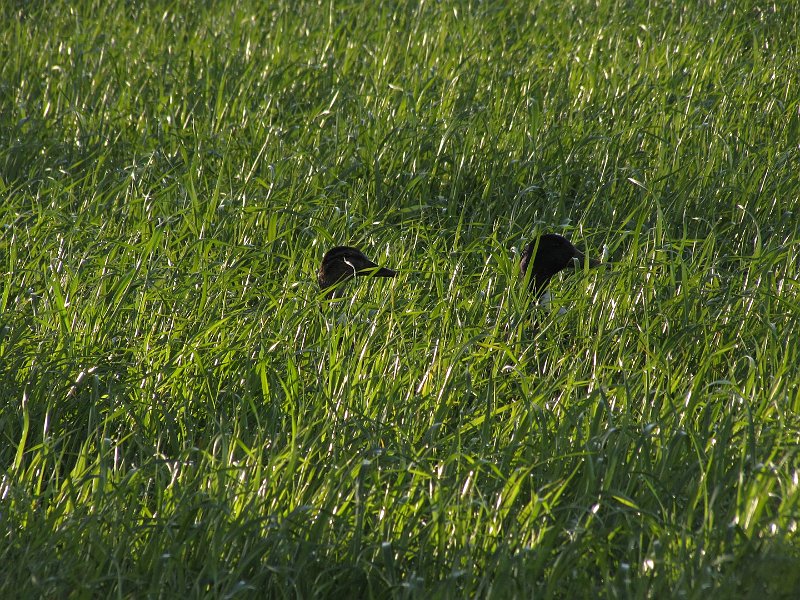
(182, 415)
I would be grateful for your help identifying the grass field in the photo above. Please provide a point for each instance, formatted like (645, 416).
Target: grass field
(181, 415)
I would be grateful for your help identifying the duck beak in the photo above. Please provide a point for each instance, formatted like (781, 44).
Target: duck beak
(370, 269)
(579, 259)
(384, 272)
(593, 262)
(377, 271)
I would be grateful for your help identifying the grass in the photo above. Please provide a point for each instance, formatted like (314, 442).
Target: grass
(182, 415)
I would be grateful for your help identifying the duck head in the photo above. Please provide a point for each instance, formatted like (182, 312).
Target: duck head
(342, 263)
(553, 253)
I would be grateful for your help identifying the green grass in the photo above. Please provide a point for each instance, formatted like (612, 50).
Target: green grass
(183, 416)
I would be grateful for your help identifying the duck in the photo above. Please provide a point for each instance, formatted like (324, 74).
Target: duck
(554, 253)
(341, 264)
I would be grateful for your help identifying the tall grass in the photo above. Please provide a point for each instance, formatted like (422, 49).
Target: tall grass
(183, 415)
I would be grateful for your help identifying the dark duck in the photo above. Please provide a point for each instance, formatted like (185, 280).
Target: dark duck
(341, 264)
(553, 253)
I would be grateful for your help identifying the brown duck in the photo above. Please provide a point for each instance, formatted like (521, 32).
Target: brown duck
(343, 263)
(553, 254)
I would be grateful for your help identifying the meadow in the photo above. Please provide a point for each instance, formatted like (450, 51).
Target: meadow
(183, 415)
